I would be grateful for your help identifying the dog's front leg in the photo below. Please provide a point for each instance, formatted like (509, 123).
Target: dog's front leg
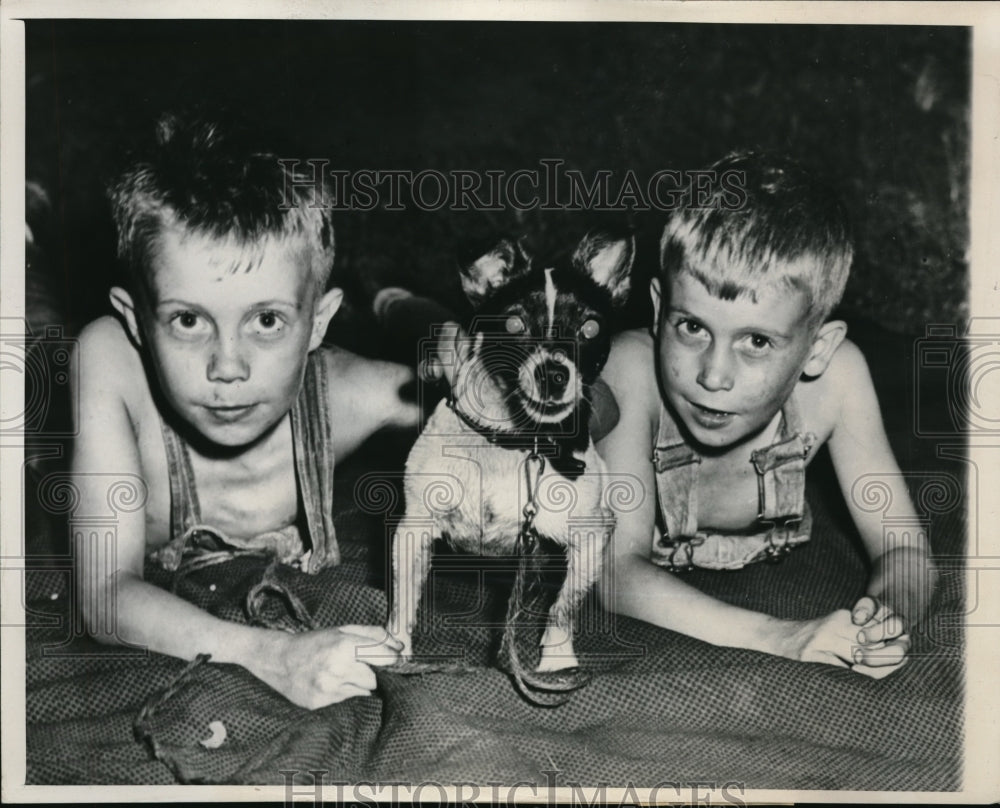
(583, 566)
(411, 559)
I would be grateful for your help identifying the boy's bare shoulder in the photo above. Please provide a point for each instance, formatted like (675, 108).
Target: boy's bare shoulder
(632, 352)
(848, 362)
(108, 357)
(104, 332)
(847, 367)
(633, 339)
(631, 365)
(845, 376)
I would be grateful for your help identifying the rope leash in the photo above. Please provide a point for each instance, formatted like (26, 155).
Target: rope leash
(269, 584)
(142, 728)
(550, 689)
(411, 668)
(204, 560)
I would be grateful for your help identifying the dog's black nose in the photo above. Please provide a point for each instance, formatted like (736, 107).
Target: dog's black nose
(552, 378)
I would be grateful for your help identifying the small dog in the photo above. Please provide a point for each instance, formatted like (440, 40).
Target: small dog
(514, 432)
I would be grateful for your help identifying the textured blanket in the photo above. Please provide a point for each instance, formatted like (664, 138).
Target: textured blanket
(660, 707)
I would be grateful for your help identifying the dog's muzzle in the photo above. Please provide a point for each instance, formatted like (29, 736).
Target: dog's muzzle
(549, 385)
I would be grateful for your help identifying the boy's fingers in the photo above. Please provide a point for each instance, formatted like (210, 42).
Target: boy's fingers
(882, 613)
(864, 610)
(381, 655)
(891, 653)
(355, 675)
(874, 632)
(452, 344)
(378, 647)
(430, 370)
(449, 337)
(450, 330)
(348, 690)
(377, 634)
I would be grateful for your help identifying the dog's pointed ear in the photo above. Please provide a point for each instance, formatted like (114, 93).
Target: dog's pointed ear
(493, 269)
(608, 261)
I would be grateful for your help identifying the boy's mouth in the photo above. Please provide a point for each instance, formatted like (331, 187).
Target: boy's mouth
(710, 418)
(230, 414)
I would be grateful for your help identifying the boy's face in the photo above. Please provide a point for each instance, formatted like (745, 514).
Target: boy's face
(727, 366)
(230, 347)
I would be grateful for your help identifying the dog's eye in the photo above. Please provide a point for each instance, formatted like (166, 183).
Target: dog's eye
(515, 325)
(590, 329)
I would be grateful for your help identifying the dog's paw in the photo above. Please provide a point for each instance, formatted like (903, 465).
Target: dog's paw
(406, 651)
(556, 660)
(557, 650)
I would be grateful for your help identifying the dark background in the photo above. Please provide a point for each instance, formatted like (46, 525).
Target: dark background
(881, 112)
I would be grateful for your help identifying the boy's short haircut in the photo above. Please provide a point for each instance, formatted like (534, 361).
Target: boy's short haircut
(218, 184)
(766, 222)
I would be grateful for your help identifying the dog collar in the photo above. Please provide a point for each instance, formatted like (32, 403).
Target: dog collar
(540, 445)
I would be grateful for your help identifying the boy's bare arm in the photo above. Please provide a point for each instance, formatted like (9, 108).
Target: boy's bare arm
(903, 573)
(118, 606)
(368, 395)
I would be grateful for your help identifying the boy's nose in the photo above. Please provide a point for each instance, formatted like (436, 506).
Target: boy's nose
(716, 369)
(227, 363)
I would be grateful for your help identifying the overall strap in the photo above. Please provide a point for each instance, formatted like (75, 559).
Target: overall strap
(185, 510)
(781, 470)
(676, 466)
(312, 439)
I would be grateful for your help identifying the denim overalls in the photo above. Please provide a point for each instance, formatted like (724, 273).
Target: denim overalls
(313, 448)
(782, 508)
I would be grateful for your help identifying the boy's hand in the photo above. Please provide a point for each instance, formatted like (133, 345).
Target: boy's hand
(836, 640)
(830, 639)
(322, 667)
(452, 343)
(882, 643)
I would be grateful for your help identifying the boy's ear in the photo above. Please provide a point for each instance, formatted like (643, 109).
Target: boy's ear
(326, 307)
(125, 306)
(656, 295)
(825, 344)
(608, 261)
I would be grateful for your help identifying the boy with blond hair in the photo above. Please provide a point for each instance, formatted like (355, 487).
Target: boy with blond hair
(214, 388)
(724, 404)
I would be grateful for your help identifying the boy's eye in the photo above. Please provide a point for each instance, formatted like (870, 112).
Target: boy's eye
(590, 329)
(268, 322)
(187, 322)
(515, 325)
(757, 345)
(691, 328)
